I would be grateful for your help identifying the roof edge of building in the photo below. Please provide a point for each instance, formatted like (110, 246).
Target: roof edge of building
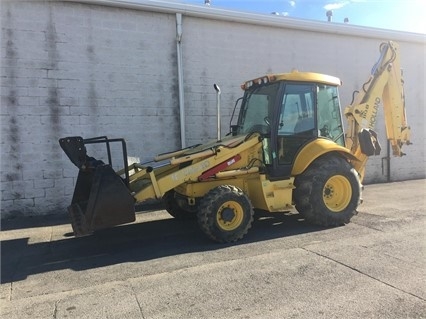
(209, 12)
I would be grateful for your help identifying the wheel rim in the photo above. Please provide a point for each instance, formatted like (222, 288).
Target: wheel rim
(230, 215)
(337, 193)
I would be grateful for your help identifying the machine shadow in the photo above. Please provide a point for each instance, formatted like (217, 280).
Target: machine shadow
(23, 222)
(136, 242)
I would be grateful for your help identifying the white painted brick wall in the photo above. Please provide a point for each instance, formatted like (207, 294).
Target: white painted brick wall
(75, 69)
(70, 69)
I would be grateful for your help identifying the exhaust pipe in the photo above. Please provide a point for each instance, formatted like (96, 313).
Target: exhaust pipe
(217, 88)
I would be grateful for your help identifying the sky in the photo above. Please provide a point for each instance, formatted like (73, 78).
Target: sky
(401, 15)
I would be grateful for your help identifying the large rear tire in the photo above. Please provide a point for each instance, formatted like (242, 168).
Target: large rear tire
(225, 214)
(328, 192)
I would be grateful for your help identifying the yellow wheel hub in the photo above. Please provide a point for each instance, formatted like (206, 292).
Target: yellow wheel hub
(337, 193)
(230, 215)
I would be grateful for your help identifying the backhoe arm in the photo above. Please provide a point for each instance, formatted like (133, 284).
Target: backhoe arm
(384, 87)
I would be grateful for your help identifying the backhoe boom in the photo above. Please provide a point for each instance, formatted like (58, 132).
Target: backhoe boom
(383, 87)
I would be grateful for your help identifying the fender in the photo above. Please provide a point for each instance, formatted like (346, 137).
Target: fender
(314, 149)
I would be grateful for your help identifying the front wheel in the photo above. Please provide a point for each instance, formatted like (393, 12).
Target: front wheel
(175, 207)
(328, 192)
(225, 214)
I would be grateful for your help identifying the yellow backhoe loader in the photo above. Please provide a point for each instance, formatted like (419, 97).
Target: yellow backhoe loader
(288, 150)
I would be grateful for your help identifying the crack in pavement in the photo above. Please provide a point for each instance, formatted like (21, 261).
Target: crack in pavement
(137, 300)
(363, 273)
(367, 226)
(55, 310)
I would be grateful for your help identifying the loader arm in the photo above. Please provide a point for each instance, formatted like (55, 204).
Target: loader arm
(383, 87)
(198, 165)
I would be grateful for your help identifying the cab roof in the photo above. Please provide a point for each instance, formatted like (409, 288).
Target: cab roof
(294, 76)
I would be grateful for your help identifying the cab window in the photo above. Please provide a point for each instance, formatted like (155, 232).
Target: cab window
(296, 123)
(258, 109)
(329, 116)
(297, 110)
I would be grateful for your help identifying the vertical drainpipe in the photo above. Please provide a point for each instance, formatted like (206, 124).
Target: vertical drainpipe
(180, 78)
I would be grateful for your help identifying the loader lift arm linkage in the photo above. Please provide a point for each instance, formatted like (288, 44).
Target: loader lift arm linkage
(288, 151)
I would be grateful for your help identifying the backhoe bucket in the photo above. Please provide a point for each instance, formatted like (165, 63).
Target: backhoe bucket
(101, 198)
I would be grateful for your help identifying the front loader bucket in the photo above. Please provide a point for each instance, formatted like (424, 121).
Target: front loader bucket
(101, 197)
(100, 200)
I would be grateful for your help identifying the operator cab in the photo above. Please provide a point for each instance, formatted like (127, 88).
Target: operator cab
(289, 110)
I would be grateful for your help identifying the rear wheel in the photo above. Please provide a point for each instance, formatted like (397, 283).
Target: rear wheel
(225, 214)
(328, 192)
(174, 207)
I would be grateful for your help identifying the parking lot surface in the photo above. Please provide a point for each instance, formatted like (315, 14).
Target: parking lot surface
(158, 267)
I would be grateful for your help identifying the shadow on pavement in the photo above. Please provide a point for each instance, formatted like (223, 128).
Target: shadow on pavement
(34, 221)
(132, 243)
(23, 222)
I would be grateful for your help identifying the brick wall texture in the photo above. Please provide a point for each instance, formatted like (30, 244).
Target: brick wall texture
(89, 70)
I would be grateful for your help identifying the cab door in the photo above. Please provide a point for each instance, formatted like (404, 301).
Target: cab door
(294, 126)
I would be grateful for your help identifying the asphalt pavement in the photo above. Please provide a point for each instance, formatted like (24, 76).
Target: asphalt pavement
(158, 267)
